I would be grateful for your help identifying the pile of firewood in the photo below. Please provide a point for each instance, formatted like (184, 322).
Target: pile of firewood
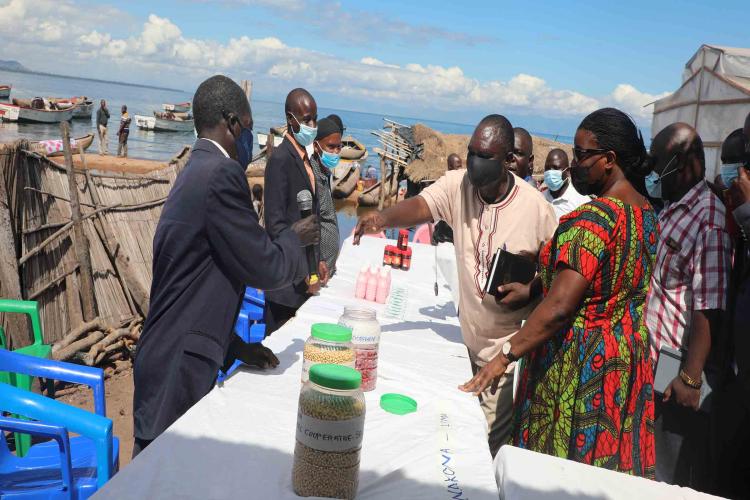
(95, 344)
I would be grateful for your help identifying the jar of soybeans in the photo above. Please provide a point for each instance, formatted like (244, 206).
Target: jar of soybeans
(328, 343)
(366, 341)
(330, 425)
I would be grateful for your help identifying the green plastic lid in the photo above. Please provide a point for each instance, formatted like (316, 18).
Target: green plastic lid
(335, 376)
(397, 404)
(331, 332)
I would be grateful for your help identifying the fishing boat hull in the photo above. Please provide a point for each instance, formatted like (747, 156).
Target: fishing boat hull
(54, 147)
(182, 107)
(263, 139)
(346, 184)
(162, 125)
(352, 149)
(84, 106)
(8, 113)
(28, 115)
(4, 91)
(371, 197)
(84, 110)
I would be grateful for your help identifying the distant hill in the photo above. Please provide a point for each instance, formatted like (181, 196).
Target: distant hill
(13, 66)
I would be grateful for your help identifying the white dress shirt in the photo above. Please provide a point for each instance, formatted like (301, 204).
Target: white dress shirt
(566, 202)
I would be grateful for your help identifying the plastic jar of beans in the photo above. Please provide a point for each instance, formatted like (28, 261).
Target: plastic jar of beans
(366, 341)
(330, 424)
(328, 343)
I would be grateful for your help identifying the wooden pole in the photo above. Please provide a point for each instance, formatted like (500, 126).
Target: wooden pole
(80, 242)
(135, 292)
(382, 182)
(247, 88)
(269, 145)
(17, 330)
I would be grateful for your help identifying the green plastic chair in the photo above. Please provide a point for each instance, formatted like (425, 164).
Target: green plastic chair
(38, 349)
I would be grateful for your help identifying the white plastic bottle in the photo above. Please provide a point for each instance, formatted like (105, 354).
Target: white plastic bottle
(384, 285)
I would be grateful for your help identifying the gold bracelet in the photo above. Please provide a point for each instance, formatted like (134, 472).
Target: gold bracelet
(688, 381)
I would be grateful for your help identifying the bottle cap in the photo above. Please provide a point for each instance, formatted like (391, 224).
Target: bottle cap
(331, 332)
(335, 376)
(398, 404)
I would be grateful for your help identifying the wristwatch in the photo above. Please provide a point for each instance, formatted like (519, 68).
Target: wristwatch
(508, 353)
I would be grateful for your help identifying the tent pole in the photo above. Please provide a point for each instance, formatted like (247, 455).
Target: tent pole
(700, 89)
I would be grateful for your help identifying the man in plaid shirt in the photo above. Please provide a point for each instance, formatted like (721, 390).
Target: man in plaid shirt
(687, 296)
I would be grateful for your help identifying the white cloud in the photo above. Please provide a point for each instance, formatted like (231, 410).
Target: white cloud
(633, 101)
(162, 53)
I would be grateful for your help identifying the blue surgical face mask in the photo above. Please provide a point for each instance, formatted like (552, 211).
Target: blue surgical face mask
(330, 160)
(554, 179)
(244, 145)
(306, 134)
(653, 180)
(729, 172)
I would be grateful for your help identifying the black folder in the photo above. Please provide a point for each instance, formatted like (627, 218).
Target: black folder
(508, 268)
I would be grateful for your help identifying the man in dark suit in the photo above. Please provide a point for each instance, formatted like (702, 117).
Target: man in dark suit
(288, 172)
(208, 246)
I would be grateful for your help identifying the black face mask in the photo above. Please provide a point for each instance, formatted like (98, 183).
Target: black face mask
(483, 171)
(581, 178)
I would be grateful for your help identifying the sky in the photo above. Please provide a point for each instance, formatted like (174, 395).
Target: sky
(544, 64)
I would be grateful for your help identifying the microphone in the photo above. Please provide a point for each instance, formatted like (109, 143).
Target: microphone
(305, 204)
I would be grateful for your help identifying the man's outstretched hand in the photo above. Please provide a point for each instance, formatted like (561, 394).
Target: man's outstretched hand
(257, 355)
(371, 223)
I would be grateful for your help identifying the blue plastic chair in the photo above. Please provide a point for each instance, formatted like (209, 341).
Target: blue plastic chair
(44, 471)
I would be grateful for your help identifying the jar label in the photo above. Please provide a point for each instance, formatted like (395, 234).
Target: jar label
(330, 435)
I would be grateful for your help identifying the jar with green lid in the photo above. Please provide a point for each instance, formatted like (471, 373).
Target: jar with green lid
(328, 343)
(330, 426)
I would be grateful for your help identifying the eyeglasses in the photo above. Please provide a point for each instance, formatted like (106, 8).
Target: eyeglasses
(580, 154)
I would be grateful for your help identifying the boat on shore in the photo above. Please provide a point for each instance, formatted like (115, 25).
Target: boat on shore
(8, 113)
(5, 91)
(370, 197)
(182, 107)
(345, 184)
(263, 139)
(352, 149)
(54, 147)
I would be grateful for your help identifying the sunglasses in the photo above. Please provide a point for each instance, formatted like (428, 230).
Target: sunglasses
(580, 154)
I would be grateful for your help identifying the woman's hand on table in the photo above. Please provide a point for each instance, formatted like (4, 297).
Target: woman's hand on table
(488, 375)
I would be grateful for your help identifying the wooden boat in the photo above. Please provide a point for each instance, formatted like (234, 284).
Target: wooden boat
(168, 122)
(352, 149)
(84, 109)
(8, 113)
(182, 107)
(4, 91)
(53, 147)
(30, 114)
(263, 139)
(371, 197)
(344, 185)
(145, 122)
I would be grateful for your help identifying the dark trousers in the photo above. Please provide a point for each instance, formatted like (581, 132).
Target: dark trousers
(682, 439)
(276, 315)
(730, 429)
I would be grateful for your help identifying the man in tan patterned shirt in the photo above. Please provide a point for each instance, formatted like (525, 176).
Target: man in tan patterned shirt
(488, 208)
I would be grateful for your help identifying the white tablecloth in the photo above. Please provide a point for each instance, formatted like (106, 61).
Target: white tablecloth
(523, 474)
(238, 441)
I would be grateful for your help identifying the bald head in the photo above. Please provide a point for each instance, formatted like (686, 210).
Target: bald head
(489, 156)
(557, 159)
(454, 162)
(679, 159)
(523, 153)
(300, 108)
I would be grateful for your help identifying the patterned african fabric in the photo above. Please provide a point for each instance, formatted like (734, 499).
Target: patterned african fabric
(586, 394)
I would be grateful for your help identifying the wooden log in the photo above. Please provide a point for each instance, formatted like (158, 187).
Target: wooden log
(71, 337)
(43, 227)
(59, 233)
(17, 330)
(80, 242)
(135, 291)
(108, 340)
(79, 345)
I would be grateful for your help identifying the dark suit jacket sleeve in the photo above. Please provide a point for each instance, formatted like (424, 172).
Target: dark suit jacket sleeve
(238, 242)
(276, 188)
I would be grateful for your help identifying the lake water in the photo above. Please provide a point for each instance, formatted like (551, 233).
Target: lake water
(162, 145)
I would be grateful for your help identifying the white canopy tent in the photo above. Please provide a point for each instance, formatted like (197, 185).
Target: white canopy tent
(714, 98)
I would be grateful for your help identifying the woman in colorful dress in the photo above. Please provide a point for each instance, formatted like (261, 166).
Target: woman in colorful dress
(586, 390)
